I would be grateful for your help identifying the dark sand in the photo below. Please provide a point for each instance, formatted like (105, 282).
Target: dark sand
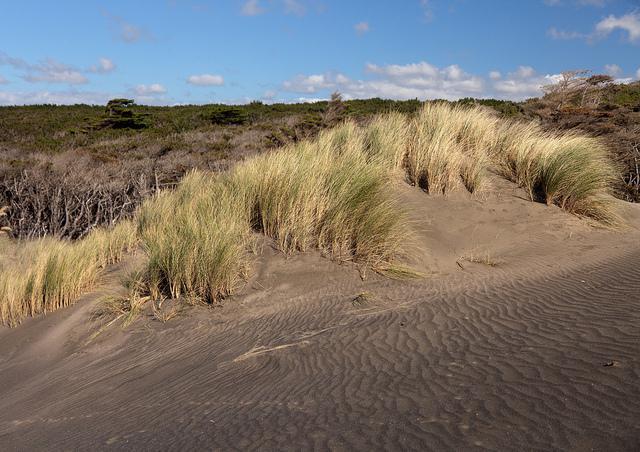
(540, 352)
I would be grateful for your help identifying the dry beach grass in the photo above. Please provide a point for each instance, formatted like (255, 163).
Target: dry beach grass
(334, 194)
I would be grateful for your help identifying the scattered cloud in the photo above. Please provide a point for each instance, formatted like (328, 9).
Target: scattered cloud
(52, 71)
(153, 94)
(309, 84)
(423, 81)
(104, 66)
(126, 31)
(419, 80)
(565, 35)
(294, 7)
(613, 70)
(252, 8)
(3, 81)
(146, 90)
(206, 80)
(361, 27)
(629, 23)
(522, 83)
(55, 97)
(638, 74)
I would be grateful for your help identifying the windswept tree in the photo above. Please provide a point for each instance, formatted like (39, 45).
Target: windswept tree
(570, 84)
(593, 91)
(119, 114)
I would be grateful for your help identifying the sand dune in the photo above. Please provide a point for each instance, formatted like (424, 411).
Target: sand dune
(539, 352)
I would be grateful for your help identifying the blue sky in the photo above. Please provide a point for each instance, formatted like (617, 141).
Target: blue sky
(170, 52)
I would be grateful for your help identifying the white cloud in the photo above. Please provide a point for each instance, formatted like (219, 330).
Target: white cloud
(524, 72)
(613, 70)
(629, 23)
(361, 27)
(423, 80)
(55, 97)
(294, 7)
(419, 80)
(311, 83)
(638, 74)
(251, 8)
(309, 100)
(49, 71)
(395, 70)
(206, 80)
(3, 80)
(146, 90)
(104, 66)
(523, 83)
(52, 71)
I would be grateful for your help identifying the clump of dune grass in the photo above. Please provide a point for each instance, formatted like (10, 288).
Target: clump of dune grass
(328, 195)
(129, 307)
(43, 275)
(196, 238)
(449, 147)
(454, 145)
(387, 137)
(567, 169)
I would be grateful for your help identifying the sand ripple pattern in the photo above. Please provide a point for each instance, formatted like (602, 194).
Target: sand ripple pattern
(533, 361)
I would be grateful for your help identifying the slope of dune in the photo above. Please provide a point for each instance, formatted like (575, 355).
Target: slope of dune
(523, 334)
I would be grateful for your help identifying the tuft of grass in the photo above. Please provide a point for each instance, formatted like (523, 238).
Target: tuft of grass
(329, 195)
(196, 238)
(386, 139)
(129, 307)
(484, 258)
(46, 274)
(449, 147)
(163, 314)
(569, 170)
(362, 299)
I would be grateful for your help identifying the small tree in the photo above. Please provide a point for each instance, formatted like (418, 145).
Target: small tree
(594, 88)
(119, 114)
(570, 83)
(227, 115)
